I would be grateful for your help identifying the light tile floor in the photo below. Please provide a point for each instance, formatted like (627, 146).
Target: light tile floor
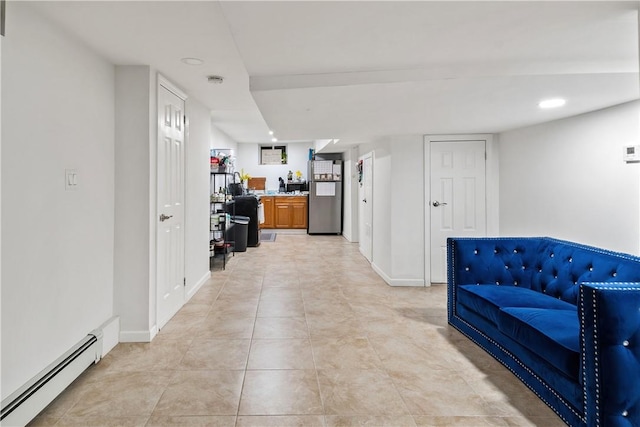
(301, 332)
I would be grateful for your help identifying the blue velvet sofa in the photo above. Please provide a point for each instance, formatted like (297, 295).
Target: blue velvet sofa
(563, 317)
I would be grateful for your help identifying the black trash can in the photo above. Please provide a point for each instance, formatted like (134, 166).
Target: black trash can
(248, 206)
(239, 232)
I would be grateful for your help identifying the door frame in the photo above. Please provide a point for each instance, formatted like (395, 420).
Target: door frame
(492, 189)
(163, 82)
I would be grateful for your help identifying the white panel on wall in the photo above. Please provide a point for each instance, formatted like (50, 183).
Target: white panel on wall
(567, 179)
(198, 140)
(382, 209)
(57, 276)
(406, 195)
(132, 260)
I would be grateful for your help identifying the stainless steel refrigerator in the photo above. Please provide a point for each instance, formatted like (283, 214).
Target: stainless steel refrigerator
(325, 197)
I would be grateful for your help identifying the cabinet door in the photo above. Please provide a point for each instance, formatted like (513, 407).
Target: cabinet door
(282, 215)
(299, 214)
(269, 220)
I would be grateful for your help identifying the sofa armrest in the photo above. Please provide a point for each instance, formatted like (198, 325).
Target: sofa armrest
(609, 315)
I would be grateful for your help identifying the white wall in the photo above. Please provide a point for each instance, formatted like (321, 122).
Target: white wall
(398, 209)
(220, 139)
(57, 245)
(1, 38)
(407, 210)
(566, 179)
(248, 158)
(381, 259)
(197, 195)
(132, 274)
(152, 213)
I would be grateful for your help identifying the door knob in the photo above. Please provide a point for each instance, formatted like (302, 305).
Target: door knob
(164, 217)
(437, 203)
(364, 200)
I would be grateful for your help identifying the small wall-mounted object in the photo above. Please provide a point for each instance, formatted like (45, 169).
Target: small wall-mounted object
(70, 179)
(631, 153)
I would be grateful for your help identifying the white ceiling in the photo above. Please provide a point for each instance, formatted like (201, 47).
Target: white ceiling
(362, 70)
(160, 33)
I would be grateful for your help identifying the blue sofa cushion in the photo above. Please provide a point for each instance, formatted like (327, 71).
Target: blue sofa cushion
(554, 335)
(486, 300)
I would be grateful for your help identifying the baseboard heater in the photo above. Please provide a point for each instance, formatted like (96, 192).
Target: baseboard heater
(24, 404)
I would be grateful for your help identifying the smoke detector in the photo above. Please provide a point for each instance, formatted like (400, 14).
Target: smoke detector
(215, 80)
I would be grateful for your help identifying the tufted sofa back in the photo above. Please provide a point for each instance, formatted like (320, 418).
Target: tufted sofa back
(547, 265)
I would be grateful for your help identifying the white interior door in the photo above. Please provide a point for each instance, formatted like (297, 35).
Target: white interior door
(365, 213)
(457, 197)
(170, 209)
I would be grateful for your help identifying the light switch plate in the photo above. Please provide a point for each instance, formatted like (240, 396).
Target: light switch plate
(70, 179)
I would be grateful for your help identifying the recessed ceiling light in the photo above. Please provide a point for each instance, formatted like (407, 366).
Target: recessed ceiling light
(270, 132)
(274, 139)
(192, 61)
(552, 103)
(216, 80)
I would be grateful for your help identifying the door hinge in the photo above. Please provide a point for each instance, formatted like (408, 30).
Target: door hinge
(184, 281)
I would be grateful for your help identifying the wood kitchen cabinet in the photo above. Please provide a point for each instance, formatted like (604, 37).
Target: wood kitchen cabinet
(269, 217)
(287, 212)
(299, 212)
(282, 214)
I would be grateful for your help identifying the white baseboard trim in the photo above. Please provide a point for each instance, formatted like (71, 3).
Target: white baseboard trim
(153, 332)
(416, 283)
(362, 253)
(198, 285)
(396, 282)
(110, 334)
(381, 273)
(138, 336)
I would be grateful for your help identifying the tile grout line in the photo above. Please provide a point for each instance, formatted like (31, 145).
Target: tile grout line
(246, 365)
(313, 353)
